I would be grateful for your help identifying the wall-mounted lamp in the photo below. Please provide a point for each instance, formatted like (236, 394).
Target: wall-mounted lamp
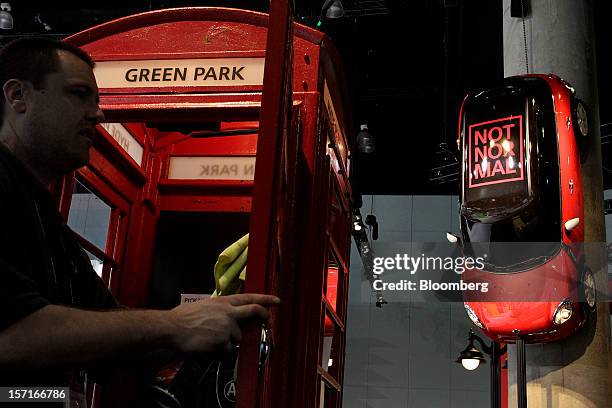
(334, 10)
(6, 18)
(472, 357)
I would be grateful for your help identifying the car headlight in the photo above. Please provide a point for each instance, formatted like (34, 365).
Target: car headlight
(472, 315)
(563, 312)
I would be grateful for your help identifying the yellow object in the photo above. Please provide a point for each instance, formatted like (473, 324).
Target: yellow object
(230, 269)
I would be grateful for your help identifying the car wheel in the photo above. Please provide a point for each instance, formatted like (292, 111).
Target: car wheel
(581, 128)
(581, 121)
(588, 289)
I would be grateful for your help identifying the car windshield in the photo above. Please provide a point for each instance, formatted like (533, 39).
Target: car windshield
(508, 257)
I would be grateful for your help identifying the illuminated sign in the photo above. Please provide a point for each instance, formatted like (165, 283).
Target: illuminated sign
(495, 151)
(180, 72)
(125, 140)
(212, 168)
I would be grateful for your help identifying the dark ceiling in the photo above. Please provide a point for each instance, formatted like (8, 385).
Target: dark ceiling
(394, 53)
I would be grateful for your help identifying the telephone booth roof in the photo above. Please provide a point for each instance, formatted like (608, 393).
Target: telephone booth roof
(175, 36)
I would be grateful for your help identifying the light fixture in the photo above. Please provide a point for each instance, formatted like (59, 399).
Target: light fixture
(472, 357)
(373, 223)
(331, 9)
(335, 10)
(357, 222)
(38, 20)
(6, 19)
(446, 166)
(365, 140)
(366, 253)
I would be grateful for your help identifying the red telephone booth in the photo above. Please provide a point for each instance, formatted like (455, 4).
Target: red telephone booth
(191, 158)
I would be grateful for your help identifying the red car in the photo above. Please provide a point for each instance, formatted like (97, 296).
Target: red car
(522, 208)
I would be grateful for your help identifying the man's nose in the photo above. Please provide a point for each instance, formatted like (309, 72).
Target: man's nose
(97, 115)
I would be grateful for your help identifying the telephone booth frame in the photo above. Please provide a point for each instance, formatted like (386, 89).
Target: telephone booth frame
(312, 198)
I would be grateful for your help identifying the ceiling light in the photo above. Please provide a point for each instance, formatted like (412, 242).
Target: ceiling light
(365, 140)
(335, 10)
(332, 9)
(6, 19)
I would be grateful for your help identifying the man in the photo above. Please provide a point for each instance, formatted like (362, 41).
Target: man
(51, 325)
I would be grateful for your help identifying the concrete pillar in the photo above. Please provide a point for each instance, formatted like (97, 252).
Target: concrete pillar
(574, 372)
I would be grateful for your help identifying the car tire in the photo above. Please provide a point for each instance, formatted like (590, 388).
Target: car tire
(581, 120)
(581, 128)
(588, 290)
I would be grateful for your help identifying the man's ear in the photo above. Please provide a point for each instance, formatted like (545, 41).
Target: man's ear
(14, 95)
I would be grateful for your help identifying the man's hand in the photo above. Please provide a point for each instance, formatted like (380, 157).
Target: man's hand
(59, 336)
(214, 323)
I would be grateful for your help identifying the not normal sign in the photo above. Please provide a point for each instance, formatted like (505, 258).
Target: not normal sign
(180, 72)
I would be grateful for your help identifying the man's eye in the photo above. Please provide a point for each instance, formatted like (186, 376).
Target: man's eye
(79, 92)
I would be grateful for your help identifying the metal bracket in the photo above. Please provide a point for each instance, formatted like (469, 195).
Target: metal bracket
(265, 346)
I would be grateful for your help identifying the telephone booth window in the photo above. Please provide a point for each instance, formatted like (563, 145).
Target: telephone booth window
(332, 340)
(186, 249)
(89, 215)
(96, 263)
(97, 224)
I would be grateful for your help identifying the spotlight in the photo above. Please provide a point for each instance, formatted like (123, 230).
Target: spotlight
(38, 20)
(335, 10)
(6, 19)
(331, 9)
(357, 222)
(365, 140)
(373, 223)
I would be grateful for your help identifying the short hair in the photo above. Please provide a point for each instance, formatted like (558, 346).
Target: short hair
(32, 58)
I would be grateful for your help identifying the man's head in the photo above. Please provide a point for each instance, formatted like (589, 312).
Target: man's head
(49, 104)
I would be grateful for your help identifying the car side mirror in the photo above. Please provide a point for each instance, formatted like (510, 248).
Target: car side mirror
(452, 238)
(571, 224)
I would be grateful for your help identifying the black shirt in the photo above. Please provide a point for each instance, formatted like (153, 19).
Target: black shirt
(41, 261)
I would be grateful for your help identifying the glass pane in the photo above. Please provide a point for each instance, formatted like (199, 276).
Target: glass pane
(96, 263)
(333, 288)
(89, 215)
(328, 397)
(329, 346)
